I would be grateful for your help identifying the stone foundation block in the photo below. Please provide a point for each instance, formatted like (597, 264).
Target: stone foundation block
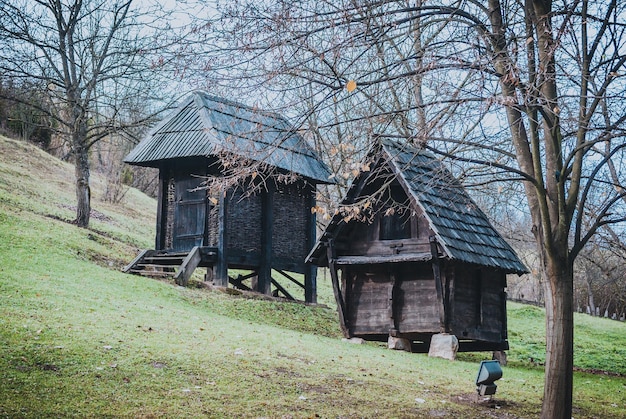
(399, 344)
(444, 346)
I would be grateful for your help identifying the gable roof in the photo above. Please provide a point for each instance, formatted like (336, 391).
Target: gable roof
(460, 226)
(205, 125)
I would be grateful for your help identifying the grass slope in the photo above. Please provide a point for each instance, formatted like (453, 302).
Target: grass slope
(79, 338)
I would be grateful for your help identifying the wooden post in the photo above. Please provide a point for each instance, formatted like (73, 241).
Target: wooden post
(505, 326)
(310, 274)
(264, 282)
(220, 270)
(393, 292)
(161, 210)
(189, 265)
(332, 258)
(438, 284)
(449, 296)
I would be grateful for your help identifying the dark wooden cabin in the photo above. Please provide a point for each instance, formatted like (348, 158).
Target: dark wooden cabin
(419, 259)
(268, 229)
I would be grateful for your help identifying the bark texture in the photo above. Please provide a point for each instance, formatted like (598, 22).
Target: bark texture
(557, 398)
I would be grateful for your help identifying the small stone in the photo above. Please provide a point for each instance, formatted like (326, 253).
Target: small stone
(500, 356)
(399, 344)
(356, 341)
(444, 346)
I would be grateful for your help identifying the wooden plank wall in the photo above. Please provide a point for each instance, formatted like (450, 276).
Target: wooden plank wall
(418, 308)
(374, 306)
(367, 303)
(478, 304)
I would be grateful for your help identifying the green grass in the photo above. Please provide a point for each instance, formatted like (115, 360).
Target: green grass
(79, 338)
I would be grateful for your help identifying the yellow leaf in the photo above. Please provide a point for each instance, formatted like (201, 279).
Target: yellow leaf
(351, 85)
(213, 200)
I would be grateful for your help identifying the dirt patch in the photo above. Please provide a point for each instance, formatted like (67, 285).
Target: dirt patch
(489, 407)
(599, 372)
(95, 214)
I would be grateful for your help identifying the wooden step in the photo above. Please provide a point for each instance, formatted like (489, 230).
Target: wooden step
(162, 265)
(154, 267)
(165, 259)
(151, 273)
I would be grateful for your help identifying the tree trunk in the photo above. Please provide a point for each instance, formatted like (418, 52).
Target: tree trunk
(83, 192)
(557, 396)
(590, 300)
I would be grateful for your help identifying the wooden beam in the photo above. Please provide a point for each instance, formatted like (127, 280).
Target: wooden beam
(247, 276)
(161, 210)
(503, 297)
(283, 290)
(310, 274)
(264, 283)
(237, 282)
(438, 284)
(393, 290)
(189, 265)
(449, 296)
(479, 346)
(220, 269)
(291, 278)
(371, 260)
(332, 257)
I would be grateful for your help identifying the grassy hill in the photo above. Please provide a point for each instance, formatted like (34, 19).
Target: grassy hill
(79, 338)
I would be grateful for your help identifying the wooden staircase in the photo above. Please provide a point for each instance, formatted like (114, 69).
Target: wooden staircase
(177, 265)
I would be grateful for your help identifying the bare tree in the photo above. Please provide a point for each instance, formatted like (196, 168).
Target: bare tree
(600, 288)
(20, 120)
(94, 59)
(529, 93)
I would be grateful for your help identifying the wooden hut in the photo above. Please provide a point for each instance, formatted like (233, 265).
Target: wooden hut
(411, 255)
(260, 225)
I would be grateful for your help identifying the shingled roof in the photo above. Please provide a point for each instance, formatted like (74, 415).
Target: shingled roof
(461, 228)
(205, 125)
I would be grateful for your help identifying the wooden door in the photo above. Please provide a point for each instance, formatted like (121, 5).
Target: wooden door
(189, 214)
(367, 302)
(416, 308)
